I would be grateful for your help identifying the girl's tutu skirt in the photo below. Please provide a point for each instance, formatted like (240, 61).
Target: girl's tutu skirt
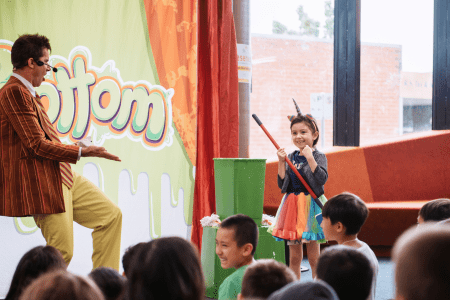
(296, 219)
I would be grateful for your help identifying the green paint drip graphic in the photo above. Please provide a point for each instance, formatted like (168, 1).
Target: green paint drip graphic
(137, 160)
(173, 161)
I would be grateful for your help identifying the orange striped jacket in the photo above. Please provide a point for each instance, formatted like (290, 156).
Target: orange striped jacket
(30, 178)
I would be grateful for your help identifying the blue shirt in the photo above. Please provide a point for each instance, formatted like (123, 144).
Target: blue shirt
(295, 185)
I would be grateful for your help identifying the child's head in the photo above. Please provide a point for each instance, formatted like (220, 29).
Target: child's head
(264, 277)
(343, 214)
(59, 285)
(128, 255)
(310, 290)
(236, 241)
(422, 261)
(166, 268)
(435, 210)
(304, 128)
(109, 281)
(37, 261)
(347, 270)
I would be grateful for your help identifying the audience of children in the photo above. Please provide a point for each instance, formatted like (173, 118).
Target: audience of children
(342, 218)
(422, 263)
(295, 218)
(110, 282)
(169, 268)
(236, 241)
(434, 211)
(166, 268)
(263, 277)
(347, 271)
(35, 262)
(311, 290)
(62, 285)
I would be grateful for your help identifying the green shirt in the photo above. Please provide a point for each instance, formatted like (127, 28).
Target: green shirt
(232, 285)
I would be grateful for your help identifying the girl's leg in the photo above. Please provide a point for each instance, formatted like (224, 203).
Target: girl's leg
(295, 258)
(313, 250)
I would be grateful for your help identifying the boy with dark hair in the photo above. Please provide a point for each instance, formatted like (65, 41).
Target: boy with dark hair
(264, 277)
(434, 211)
(127, 257)
(347, 270)
(343, 216)
(310, 290)
(109, 281)
(236, 241)
(422, 263)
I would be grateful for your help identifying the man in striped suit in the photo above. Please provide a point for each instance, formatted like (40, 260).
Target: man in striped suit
(35, 175)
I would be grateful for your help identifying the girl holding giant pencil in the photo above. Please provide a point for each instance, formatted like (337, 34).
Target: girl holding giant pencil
(296, 216)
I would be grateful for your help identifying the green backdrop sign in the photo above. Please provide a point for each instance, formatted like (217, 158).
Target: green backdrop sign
(108, 87)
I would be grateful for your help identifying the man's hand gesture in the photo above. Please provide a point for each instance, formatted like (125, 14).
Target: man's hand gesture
(94, 151)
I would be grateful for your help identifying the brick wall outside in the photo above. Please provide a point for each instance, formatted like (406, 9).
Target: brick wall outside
(286, 67)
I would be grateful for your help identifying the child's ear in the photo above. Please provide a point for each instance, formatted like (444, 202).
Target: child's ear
(315, 135)
(239, 297)
(399, 297)
(339, 227)
(248, 248)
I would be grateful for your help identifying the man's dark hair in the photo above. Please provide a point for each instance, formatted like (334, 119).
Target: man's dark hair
(264, 277)
(347, 270)
(128, 256)
(37, 261)
(348, 209)
(28, 46)
(166, 268)
(110, 282)
(436, 210)
(245, 230)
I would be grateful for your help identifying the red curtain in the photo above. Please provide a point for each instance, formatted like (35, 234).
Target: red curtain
(217, 103)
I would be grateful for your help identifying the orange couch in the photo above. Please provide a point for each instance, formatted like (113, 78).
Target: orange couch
(394, 178)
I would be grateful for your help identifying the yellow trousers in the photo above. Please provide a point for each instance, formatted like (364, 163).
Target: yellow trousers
(90, 207)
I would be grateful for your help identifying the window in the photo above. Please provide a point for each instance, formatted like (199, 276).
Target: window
(396, 68)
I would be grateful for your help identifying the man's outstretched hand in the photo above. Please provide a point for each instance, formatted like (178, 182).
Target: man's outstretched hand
(94, 151)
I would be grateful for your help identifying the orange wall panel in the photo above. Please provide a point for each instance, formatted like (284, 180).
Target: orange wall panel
(347, 172)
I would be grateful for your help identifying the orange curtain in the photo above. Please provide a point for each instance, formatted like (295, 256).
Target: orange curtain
(218, 102)
(172, 29)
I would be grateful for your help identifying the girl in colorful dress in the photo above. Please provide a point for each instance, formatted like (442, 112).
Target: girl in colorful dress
(295, 219)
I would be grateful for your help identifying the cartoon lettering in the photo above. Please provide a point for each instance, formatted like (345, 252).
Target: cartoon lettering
(105, 89)
(81, 95)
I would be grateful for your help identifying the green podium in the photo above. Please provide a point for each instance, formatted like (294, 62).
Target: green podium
(239, 185)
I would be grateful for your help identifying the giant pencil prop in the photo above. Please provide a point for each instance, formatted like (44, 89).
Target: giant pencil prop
(310, 191)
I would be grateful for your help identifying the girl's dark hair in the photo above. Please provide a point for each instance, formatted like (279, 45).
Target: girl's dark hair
(310, 122)
(110, 282)
(28, 46)
(166, 268)
(35, 262)
(436, 210)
